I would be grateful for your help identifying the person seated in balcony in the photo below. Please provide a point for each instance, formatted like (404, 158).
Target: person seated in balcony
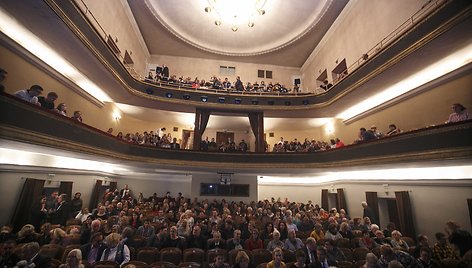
(276, 87)
(175, 145)
(392, 130)
(255, 86)
(227, 84)
(61, 109)
(196, 83)
(269, 87)
(238, 85)
(326, 85)
(77, 116)
(366, 135)
(339, 143)
(248, 87)
(216, 83)
(460, 113)
(243, 147)
(150, 76)
(377, 133)
(30, 95)
(283, 89)
(212, 146)
(48, 101)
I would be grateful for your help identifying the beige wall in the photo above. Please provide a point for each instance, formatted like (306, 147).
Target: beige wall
(206, 68)
(432, 204)
(361, 25)
(113, 19)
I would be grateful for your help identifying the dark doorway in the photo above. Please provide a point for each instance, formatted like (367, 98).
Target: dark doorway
(224, 137)
(187, 140)
(393, 211)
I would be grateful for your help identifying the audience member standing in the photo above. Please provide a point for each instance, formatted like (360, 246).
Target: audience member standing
(369, 212)
(48, 101)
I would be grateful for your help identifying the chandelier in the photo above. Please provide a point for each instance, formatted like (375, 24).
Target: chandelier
(235, 12)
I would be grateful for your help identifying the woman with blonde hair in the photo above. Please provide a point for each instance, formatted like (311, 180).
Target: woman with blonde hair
(74, 260)
(115, 251)
(57, 236)
(27, 234)
(242, 260)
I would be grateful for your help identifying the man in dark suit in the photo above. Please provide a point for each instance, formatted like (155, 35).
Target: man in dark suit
(125, 191)
(310, 251)
(61, 214)
(238, 85)
(30, 255)
(165, 71)
(93, 251)
(323, 261)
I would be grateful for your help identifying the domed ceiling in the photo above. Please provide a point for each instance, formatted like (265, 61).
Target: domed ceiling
(285, 35)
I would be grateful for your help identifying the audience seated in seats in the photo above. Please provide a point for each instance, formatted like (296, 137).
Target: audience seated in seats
(30, 95)
(235, 242)
(392, 130)
(57, 237)
(146, 230)
(367, 242)
(48, 101)
(114, 250)
(322, 260)
(93, 250)
(366, 135)
(333, 232)
(371, 261)
(8, 258)
(216, 241)
(458, 237)
(293, 242)
(380, 238)
(77, 116)
(219, 261)
(173, 240)
(253, 242)
(388, 255)
(442, 250)
(317, 232)
(88, 229)
(425, 258)
(423, 241)
(333, 252)
(74, 259)
(242, 261)
(276, 262)
(300, 258)
(377, 134)
(460, 113)
(397, 242)
(27, 234)
(30, 258)
(275, 242)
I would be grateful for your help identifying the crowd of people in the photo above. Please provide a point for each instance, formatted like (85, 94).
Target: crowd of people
(216, 83)
(311, 235)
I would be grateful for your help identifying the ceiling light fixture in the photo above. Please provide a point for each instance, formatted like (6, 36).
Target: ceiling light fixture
(235, 13)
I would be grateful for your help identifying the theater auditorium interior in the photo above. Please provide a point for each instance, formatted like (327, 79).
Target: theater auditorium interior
(153, 71)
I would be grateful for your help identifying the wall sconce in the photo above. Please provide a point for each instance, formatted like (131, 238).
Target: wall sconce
(386, 189)
(116, 116)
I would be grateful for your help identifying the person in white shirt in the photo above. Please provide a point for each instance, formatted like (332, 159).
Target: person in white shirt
(31, 94)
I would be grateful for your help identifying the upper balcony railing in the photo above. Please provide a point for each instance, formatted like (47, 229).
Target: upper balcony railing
(424, 11)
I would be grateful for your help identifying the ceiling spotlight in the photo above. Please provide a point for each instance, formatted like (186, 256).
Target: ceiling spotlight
(251, 24)
(186, 97)
(204, 98)
(208, 9)
(237, 101)
(169, 95)
(217, 22)
(149, 91)
(234, 28)
(221, 100)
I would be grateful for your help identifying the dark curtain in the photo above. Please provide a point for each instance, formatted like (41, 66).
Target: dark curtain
(66, 188)
(256, 120)
(405, 214)
(373, 202)
(341, 200)
(94, 199)
(113, 185)
(324, 199)
(30, 194)
(201, 121)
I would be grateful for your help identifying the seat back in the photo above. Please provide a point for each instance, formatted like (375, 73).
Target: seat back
(288, 256)
(211, 254)
(194, 255)
(234, 252)
(106, 264)
(189, 264)
(137, 264)
(348, 254)
(343, 243)
(52, 251)
(67, 250)
(359, 253)
(260, 256)
(409, 241)
(138, 241)
(344, 264)
(163, 264)
(173, 255)
(262, 265)
(148, 255)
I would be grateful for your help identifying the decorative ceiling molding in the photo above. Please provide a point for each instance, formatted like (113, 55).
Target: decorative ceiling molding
(283, 42)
